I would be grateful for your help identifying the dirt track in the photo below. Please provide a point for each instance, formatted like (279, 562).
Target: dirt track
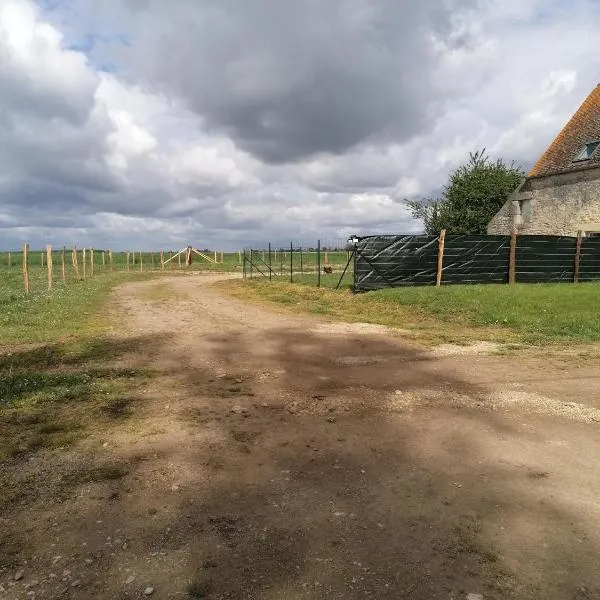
(286, 457)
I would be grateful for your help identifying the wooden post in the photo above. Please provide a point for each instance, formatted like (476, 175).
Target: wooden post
(326, 259)
(83, 260)
(42, 257)
(141, 263)
(9, 261)
(240, 256)
(63, 266)
(222, 260)
(110, 260)
(179, 260)
(215, 256)
(162, 260)
(26, 267)
(440, 263)
(103, 258)
(133, 259)
(91, 262)
(128, 261)
(577, 256)
(50, 265)
(75, 261)
(512, 259)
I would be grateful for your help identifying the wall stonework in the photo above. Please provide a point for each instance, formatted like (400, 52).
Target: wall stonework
(559, 205)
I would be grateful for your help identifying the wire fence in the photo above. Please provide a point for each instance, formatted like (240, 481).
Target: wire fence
(310, 262)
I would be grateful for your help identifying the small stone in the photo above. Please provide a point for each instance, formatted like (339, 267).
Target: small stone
(19, 575)
(105, 445)
(125, 546)
(76, 583)
(88, 561)
(239, 380)
(331, 419)
(130, 579)
(149, 591)
(472, 596)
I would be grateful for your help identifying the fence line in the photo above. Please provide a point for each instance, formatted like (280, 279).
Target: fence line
(88, 262)
(395, 261)
(307, 263)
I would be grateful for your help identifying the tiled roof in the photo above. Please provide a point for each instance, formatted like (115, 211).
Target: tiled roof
(583, 128)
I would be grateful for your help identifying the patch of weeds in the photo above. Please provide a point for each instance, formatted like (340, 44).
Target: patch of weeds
(94, 475)
(119, 408)
(199, 588)
(10, 551)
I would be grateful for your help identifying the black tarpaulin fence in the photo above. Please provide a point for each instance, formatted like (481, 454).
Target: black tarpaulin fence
(403, 260)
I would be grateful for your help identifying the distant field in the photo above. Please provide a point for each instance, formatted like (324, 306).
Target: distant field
(534, 313)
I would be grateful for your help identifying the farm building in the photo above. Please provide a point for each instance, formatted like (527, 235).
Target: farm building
(561, 194)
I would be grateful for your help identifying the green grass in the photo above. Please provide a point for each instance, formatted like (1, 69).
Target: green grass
(532, 314)
(537, 312)
(70, 310)
(59, 377)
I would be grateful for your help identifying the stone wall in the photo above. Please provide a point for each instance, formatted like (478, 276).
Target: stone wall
(552, 205)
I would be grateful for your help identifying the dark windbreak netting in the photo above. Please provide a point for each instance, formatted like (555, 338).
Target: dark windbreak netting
(399, 260)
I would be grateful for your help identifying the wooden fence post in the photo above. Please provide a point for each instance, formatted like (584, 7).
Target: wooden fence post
(63, 268)
(240, 256)
(440, 263)
(127, 261)
(577, 256)
(103, 258)
(50, 266)
(84, 260)
(179, 259)
(42, 257)
(110, 260)
(222, 258)
(26, 267)
(91, 262)
(162, 260)
(512, 259)
(9, 261)
(75, 262)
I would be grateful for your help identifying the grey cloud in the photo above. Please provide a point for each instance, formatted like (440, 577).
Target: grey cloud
(287, 80)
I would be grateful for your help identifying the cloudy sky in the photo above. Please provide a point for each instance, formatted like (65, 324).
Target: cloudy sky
(221, 123)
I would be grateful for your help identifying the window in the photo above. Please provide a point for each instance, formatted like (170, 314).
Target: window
(526, 209)
(586, 151)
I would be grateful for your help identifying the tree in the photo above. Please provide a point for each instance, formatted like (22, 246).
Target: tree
(475, 193)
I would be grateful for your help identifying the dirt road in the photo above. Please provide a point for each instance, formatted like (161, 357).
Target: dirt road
(287, 457)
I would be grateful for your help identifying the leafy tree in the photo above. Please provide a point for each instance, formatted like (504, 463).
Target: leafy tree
(475, 193)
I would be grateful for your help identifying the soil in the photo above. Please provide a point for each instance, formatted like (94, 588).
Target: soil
(277, 456)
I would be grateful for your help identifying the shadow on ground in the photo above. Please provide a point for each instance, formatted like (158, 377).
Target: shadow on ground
(294, 472)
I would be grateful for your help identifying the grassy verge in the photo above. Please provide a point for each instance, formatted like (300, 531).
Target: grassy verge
(60, 378)
(532, 314)
(69, 311)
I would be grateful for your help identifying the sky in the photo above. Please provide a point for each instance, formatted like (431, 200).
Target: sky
(141, 124)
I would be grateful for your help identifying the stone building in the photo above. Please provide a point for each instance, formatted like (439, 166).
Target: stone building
(561, 194)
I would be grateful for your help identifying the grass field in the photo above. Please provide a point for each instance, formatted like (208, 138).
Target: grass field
(59, 378)
(533, 314)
